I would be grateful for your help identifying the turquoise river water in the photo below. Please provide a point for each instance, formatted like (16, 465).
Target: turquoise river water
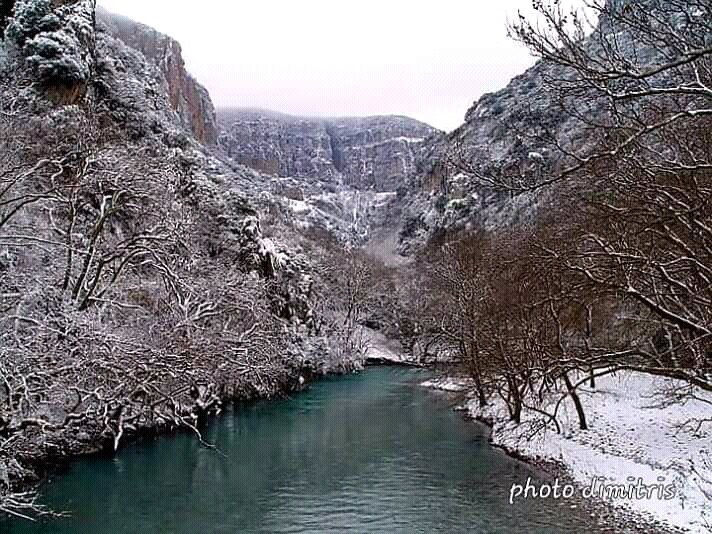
(365, 453)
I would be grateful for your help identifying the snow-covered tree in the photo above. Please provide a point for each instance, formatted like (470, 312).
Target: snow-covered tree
(58, 43)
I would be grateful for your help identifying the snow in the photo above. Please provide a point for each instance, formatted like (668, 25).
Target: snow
(400, 139)
(451, 384)
(456, 204)
(299, 206)
(251, 226)
(56, 43)
(269, 250)
(380, 348)
(385, 196)
(58, 54)
(632, 435)
(349, 213)
(536, 157)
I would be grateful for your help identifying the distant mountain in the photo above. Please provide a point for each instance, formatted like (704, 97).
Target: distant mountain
(371, 153)
(521, 132)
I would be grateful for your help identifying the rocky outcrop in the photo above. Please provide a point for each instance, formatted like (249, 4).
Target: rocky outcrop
(277, 144)
(522, 133)
(378, 152)
(56, 41)
(371, 153)
(187, 97)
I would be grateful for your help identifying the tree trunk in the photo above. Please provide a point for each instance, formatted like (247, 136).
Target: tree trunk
(577, 402)
(481, 396)
(515, 409)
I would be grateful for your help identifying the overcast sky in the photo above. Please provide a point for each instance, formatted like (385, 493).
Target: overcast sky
(428, 60)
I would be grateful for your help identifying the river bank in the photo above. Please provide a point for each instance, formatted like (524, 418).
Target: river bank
(46, 451)
(545, 454)
(633, 436)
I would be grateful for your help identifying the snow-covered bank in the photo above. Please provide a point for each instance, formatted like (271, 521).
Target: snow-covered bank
(380, 349)
(451, 384)
(633, 435)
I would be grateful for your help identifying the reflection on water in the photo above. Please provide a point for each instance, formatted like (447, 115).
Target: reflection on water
(364, 453)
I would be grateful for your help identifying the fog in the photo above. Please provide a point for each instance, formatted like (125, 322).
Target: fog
(428, 60)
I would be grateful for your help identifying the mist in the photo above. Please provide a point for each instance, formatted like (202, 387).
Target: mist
(321, 58)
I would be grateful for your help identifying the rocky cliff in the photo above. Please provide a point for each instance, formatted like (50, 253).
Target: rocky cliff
(523, 134)
(53, 44)
(370, 153)
(186, 96)
(502, 132)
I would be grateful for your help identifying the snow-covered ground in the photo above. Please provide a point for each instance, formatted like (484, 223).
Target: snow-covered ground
(451, 384)
(633, 435)
(381, 349)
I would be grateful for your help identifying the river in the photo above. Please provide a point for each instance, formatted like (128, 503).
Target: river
(365, 453)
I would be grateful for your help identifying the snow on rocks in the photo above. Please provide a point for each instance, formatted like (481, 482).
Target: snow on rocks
(536, 157)
(449, 383)
(268, 251)
(58, 41)
(633, 435)
(251, 226)
(379, 349)
(299, 206)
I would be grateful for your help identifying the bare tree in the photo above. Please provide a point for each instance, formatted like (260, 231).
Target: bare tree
(636, 76)
(455, 291)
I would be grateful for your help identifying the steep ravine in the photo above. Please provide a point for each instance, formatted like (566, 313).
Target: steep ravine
(190, 100)
(237, 192)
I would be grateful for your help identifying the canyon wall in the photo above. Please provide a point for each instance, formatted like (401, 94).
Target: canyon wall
(187, 97)
(370, 153)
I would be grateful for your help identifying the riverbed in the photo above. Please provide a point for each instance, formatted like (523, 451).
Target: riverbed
(365, 453)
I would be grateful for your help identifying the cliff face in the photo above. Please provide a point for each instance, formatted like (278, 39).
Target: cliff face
(279, 145)
(522, 132)
(187, 97)
(377, 153)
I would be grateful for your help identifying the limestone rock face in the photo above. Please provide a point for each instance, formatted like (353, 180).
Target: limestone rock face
(187, 97)
(279, 145)
(378, 152)
(371, 153)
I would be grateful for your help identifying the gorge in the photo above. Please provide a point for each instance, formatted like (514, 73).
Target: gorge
(189, 295)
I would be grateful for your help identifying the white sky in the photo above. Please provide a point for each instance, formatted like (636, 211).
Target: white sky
(428, 60)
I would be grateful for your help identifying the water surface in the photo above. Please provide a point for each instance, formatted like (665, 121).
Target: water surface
(364, 453)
